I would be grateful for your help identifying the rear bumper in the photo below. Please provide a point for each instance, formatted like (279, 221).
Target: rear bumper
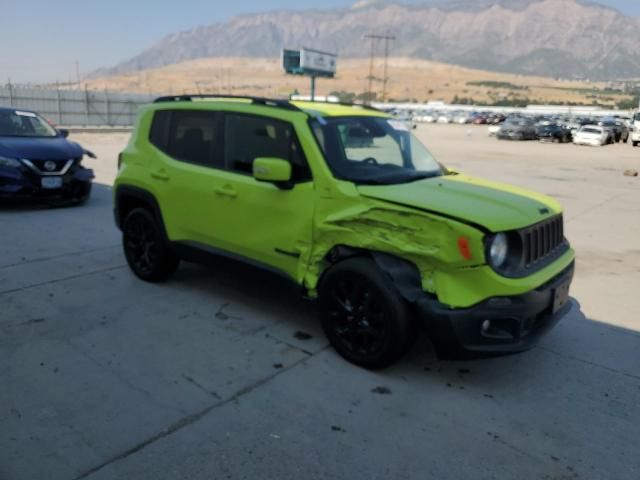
(516, 322)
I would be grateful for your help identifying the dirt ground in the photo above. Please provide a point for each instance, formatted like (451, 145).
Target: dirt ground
(224, 372)
(409, 78)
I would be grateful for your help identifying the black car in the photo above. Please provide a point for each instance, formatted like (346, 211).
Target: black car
(554, 133)
(517, 129)
(37, 160)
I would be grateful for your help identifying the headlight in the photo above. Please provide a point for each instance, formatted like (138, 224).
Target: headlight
(9, 162)
(498, 250)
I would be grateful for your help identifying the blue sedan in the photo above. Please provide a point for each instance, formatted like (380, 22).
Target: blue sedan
(37, 160)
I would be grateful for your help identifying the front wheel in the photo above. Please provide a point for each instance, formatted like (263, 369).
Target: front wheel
(364, 317)
(147, 254)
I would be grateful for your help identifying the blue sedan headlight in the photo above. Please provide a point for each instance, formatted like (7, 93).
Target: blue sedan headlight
(9, 162)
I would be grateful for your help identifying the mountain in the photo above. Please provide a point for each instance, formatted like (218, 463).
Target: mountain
(557, 38)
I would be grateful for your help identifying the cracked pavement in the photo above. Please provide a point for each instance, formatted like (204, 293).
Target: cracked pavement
(224, 372)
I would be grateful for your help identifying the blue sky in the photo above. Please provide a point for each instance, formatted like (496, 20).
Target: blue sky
(40, 40)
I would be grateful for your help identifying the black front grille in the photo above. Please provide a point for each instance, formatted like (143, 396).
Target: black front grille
(541, 240)
(533, 248)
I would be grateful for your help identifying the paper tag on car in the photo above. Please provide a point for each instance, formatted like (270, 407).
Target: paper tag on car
(25, 114)
(398, 125)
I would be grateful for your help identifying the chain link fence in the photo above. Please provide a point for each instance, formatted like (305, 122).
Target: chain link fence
(76, 108)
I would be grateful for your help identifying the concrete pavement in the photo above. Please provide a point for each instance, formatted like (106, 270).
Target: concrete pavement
(223, 372)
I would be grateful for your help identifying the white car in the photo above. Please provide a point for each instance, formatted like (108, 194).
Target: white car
(634, 135)
(494, 129)
(428, 117)
(461, 118)
(593, 135)
(407, 120)
(445, 118)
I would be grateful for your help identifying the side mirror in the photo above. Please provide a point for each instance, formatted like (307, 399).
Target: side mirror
(273, 170)
(63, 132)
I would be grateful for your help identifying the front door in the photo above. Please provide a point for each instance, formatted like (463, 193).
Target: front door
(259, 220)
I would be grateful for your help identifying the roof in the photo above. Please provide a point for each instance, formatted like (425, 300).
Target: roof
(328, 109)
(325, 109)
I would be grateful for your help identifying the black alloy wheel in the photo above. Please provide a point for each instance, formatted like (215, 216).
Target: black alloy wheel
(145, 250)
(364, 317)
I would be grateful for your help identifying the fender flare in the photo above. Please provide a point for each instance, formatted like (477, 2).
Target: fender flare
(142, 196)
(404, 274)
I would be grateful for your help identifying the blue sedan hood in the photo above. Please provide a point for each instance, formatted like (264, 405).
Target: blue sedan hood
(39, 148)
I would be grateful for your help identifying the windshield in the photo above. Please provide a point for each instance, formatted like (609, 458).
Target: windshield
(373, 150)
(591, 130)
(16, 123)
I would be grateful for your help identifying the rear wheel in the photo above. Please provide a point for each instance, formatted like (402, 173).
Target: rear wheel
(364, 317)
(635, 144)
(147, 254)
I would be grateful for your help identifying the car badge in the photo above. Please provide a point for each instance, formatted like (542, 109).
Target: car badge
(543, 211)
(49, 166)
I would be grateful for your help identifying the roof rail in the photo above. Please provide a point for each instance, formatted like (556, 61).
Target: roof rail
(344, 104)
(269, 102)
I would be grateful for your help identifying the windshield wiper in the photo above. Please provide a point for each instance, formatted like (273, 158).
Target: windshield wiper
(394, 179)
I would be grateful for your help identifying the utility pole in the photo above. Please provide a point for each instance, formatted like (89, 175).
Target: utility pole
(385, 80)
(78, 73)
(374, 38)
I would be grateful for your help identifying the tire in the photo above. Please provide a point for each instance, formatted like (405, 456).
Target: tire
(635, 144)
(363, 315)
(147, 254)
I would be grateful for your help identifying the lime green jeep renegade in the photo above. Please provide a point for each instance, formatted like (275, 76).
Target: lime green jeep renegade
(347, 203)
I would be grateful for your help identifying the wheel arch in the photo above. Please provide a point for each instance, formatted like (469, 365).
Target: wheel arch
(404, 274)
(128, 197)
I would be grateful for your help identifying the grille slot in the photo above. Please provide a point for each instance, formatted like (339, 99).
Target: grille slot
(541, 240)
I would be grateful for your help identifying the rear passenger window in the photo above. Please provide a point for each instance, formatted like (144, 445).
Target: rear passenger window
(188, 135)
(249, 137)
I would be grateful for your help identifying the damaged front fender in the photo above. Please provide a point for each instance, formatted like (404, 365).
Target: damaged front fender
(395, 236)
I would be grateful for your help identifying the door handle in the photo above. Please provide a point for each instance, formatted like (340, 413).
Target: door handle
(226, 190)
(160, 174)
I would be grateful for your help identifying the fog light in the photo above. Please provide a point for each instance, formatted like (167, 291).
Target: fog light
(486, 325)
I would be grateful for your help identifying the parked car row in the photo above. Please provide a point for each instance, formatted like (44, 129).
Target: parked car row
(458, 117)
(581, 131)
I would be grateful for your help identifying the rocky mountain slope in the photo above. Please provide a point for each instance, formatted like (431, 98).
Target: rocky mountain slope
(558, 38)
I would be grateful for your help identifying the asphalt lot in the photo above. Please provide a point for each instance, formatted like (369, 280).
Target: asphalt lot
(213, 375)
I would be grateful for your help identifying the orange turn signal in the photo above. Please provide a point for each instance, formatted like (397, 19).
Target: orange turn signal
(465, 249)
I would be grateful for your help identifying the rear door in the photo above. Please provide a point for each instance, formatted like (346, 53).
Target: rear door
(187, 165)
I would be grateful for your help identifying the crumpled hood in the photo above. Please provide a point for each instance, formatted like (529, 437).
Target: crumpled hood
(494, 206)
(50, 148)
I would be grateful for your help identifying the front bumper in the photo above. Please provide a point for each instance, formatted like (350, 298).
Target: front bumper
(17, 184)
(516, 322)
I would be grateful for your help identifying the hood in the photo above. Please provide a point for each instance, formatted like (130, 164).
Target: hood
(494, 206)
(39, 148)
